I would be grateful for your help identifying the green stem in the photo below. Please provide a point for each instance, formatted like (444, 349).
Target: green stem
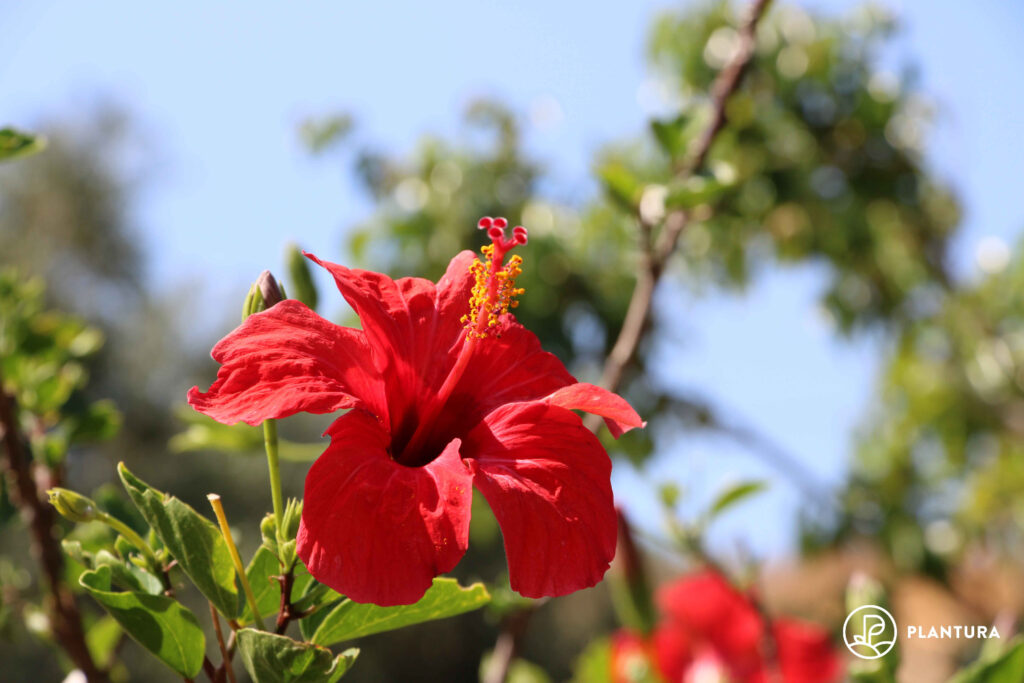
(273, 462)
(132, 537)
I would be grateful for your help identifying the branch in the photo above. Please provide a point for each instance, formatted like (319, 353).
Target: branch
(40, 517)
(653, 258)
(286, 611)
(655, 255)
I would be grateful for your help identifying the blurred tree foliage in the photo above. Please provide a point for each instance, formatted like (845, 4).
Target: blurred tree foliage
(818, 162)
(68, 217)
(45, 416)
(939, 463)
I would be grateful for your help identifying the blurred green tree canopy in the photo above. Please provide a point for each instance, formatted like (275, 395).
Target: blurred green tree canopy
(819, 162)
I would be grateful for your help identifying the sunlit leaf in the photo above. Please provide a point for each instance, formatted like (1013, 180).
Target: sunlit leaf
(14, 144)
(102, 638)
(444, 599)
(621, 185)
(734, 494)
(193, 540)
(158, 623)
(693, 191)
(271, 658)
(594, 665)
(1007, 668)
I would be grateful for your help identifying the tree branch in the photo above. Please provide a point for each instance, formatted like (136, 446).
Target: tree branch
(41, 519)
(655, 254)
(651, 265)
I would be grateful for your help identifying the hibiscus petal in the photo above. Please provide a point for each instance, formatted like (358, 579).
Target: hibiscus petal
(673, 650)
(617, 413)
(377, 531)
(509, 368)
(707, 606)
(286, 360)
(412, 326)
(547, 478)
(804, 651)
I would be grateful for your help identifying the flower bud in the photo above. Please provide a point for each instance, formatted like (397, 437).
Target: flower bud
(292, 516)
(72, 506)
(268, 530)
(269, 289)
(263, 294)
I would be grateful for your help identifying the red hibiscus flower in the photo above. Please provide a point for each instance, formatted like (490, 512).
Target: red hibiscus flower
(709, 627)
(444, 391)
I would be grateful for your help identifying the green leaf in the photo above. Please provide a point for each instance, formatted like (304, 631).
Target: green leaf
(271, 658)
(1007, 668)
(694, 191)
(734, 494)
(102, 638)
(158, 623)
(267, 591)
(301, 279)
(621, 185)
(669, 135)
(313, 593)
(194, 541)
(206, 434)
(14, 144)
(519, 670)
(127, 575)
(594, 664)
(100, 421)
(446, 598)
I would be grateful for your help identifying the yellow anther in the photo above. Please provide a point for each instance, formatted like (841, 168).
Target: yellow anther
(493, 293)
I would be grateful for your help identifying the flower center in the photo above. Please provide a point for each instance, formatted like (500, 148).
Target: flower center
(494, 293)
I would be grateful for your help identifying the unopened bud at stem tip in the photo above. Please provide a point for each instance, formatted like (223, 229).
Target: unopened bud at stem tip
(72, 506)
(269, 289)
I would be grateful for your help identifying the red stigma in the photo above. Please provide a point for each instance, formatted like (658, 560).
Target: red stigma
(495, 228)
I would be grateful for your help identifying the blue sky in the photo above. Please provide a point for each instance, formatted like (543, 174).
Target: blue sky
(221, 88)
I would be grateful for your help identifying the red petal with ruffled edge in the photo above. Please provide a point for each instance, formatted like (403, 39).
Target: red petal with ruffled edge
(412, 326)
(377, 531)
(617, 413)
(286, 360)
(547, 479)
